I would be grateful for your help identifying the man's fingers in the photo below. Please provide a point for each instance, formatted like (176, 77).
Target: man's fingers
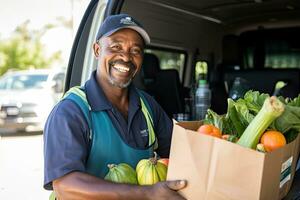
(176, 185)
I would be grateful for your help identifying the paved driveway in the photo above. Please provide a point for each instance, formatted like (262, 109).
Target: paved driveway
(21, 168)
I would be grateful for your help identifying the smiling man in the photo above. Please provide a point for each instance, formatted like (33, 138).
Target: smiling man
(107, 121)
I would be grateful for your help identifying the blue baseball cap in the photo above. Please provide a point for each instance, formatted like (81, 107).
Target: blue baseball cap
(114, 23)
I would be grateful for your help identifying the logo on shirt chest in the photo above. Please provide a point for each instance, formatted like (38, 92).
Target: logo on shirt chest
(144, 132)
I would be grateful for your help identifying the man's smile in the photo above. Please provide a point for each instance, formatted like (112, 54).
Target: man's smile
(121, 73)
(121, 68)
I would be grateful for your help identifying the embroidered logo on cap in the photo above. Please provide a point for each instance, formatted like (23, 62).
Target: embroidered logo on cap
(127, 21)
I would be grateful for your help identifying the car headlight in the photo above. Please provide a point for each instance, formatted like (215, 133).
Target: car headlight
(12, 111)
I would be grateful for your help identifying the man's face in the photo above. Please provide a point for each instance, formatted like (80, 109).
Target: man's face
(120, 57)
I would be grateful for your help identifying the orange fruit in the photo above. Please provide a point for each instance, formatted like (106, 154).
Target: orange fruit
(210, 129)
(164, 161)
(272, 140)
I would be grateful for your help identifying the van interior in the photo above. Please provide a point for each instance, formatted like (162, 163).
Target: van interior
(255, 40)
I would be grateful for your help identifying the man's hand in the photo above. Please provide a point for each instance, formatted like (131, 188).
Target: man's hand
(81, 186)
(166, 190)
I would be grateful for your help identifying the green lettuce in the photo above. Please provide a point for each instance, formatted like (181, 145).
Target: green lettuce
(294, 102)
(220, 121)
(254, 100)
(241, 112)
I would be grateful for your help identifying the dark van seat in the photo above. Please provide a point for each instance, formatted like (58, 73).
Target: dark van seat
(145, 79)
(169, 92)
(163, 85)
(150, 69)
(264, 80)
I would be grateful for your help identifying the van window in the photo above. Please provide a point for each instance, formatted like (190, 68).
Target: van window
(280, 54)
(170, 59)
(274, 48)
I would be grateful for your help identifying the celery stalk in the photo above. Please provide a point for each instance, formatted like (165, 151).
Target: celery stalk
(271, 109)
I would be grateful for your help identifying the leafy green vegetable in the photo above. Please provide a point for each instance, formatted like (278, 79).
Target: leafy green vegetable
(291, 135)
(219, 121)
(255, 100)
(271, 109)
(289, 122)
(295, 102)
(236, 117)
(214, 118)
(240, 113)
(241, 107)
(290, 119)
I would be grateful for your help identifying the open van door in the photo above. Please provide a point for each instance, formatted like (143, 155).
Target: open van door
(81, 61)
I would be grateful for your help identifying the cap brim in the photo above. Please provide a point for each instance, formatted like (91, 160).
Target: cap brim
(141, 31)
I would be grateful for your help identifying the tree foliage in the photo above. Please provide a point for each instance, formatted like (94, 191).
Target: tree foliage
(24, 49)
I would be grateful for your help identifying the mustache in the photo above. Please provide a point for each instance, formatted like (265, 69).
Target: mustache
(129, 64)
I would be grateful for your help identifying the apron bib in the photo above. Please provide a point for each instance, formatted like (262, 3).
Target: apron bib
(107, 147)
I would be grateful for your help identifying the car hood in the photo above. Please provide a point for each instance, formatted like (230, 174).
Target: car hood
(14, 97)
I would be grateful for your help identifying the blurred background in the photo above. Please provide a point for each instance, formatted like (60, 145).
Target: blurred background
(36, 38)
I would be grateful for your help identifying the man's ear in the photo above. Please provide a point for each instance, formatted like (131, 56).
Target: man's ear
(96, 48)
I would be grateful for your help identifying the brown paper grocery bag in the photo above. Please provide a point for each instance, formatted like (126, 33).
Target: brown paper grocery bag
(216, 169)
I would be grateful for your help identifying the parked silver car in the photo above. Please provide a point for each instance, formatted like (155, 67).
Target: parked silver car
(27, 97)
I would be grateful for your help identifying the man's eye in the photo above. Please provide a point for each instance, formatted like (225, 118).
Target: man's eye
(136, 51)
(115, 47)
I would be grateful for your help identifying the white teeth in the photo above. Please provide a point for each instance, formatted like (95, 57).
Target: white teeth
(121, 68)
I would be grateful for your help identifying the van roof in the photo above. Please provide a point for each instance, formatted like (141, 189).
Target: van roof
(238, 15)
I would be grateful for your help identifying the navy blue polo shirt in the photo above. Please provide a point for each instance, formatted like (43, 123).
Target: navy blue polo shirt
(66, 132)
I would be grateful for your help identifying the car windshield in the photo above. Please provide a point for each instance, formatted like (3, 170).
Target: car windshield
(21, 81)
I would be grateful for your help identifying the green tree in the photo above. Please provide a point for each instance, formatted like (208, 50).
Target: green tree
(24, 49)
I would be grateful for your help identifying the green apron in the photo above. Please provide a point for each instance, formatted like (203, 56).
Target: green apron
(107, 146)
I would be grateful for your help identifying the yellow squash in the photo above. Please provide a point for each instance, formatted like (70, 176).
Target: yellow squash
(121, 173)
(149, 171)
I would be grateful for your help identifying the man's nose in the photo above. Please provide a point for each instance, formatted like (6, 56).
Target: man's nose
(126, 56)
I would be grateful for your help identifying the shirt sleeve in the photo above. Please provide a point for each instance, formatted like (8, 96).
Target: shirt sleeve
(163, 127)
(66, 142)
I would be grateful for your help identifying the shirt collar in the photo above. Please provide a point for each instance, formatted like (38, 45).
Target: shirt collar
(98, 101)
